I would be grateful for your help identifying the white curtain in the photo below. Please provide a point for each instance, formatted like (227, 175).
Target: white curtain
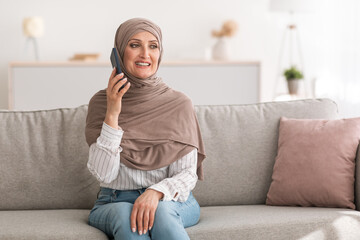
(338, 74)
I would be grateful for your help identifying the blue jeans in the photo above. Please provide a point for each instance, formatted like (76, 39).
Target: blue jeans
(112, 210)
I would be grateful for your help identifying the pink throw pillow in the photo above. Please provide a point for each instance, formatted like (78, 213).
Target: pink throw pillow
(315, 164)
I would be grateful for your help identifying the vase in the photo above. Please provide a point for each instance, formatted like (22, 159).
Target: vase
(293, 86)
(221, 49)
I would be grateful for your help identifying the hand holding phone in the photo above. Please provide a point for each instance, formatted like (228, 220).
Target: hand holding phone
(115, 62)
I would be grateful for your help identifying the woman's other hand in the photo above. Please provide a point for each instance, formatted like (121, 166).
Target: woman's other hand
(143, 212)
(114, 97)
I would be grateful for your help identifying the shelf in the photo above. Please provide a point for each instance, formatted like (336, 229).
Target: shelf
(105, 64)
(47, 85)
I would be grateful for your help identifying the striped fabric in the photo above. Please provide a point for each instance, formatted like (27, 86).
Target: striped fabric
(174, 181)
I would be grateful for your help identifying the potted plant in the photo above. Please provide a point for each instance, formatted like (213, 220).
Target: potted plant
(293, 76)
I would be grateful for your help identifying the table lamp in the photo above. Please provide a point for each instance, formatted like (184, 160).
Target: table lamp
(33, 28)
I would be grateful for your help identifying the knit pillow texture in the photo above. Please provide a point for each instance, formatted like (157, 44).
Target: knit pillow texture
(315, 163)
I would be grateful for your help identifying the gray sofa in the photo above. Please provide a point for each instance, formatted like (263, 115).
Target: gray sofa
(46, 191)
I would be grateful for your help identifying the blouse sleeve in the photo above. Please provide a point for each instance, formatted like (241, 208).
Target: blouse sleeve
(104, 154)
(182, 179)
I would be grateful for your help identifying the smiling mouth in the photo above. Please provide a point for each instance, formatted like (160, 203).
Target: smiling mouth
(142, 64)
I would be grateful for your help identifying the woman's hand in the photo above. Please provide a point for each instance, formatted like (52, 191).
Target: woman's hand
(114, 98)
(143, 212)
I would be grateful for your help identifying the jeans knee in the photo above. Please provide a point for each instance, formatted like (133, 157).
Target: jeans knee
(167, 223)
(166, 212)
(119, 215)
(113, 219)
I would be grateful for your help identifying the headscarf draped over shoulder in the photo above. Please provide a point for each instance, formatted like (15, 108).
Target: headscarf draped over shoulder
(160, 124)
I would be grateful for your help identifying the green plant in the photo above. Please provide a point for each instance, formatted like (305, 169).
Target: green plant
(293, 73)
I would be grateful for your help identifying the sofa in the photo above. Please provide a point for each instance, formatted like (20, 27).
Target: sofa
(46, 190)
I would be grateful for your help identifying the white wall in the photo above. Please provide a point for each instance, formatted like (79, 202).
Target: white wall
(75, 26)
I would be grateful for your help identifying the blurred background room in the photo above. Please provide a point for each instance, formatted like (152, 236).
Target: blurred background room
(56, 53)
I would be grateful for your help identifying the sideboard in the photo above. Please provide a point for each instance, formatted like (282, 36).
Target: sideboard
(48, 85)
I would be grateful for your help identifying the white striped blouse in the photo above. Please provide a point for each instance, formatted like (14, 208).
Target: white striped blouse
(174, 181)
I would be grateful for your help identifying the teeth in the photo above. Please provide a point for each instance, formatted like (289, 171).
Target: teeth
(142, 64)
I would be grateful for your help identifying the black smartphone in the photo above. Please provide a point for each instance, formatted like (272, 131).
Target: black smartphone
(115, 62)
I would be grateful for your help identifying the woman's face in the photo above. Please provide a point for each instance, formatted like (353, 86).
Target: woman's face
(141, 55)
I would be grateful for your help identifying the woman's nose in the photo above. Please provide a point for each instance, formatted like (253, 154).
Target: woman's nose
(144, 52)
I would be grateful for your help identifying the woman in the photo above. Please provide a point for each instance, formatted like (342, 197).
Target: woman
(145, 145)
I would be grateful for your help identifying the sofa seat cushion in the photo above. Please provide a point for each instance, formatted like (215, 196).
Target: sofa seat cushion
(225, 222)
(47, 224)
(275, 222)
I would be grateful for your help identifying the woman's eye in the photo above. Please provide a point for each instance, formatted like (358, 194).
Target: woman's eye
(134, 45)
(153, 46)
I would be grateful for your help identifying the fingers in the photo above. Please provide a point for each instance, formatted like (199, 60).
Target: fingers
(151, 219)
(146, 220)
(143, 213)
(116, 83)
(142, 219)
(113, 74)
(136, 220)
(143, 222)
(114, 80)
(125, 89)
(139, 221)
(133, 219)
(121, 85)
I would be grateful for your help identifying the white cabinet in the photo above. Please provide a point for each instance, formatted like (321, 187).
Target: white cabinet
(46, 85)
(215, 83)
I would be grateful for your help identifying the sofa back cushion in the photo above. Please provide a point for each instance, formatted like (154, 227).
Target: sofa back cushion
(241, 146)
(43, 157)
(43, 154)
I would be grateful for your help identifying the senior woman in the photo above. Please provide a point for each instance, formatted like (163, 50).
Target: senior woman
(145, 144)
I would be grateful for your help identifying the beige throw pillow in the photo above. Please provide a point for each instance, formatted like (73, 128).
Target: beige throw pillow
(315, 164)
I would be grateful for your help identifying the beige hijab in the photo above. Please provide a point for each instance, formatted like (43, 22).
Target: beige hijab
(159, 123)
